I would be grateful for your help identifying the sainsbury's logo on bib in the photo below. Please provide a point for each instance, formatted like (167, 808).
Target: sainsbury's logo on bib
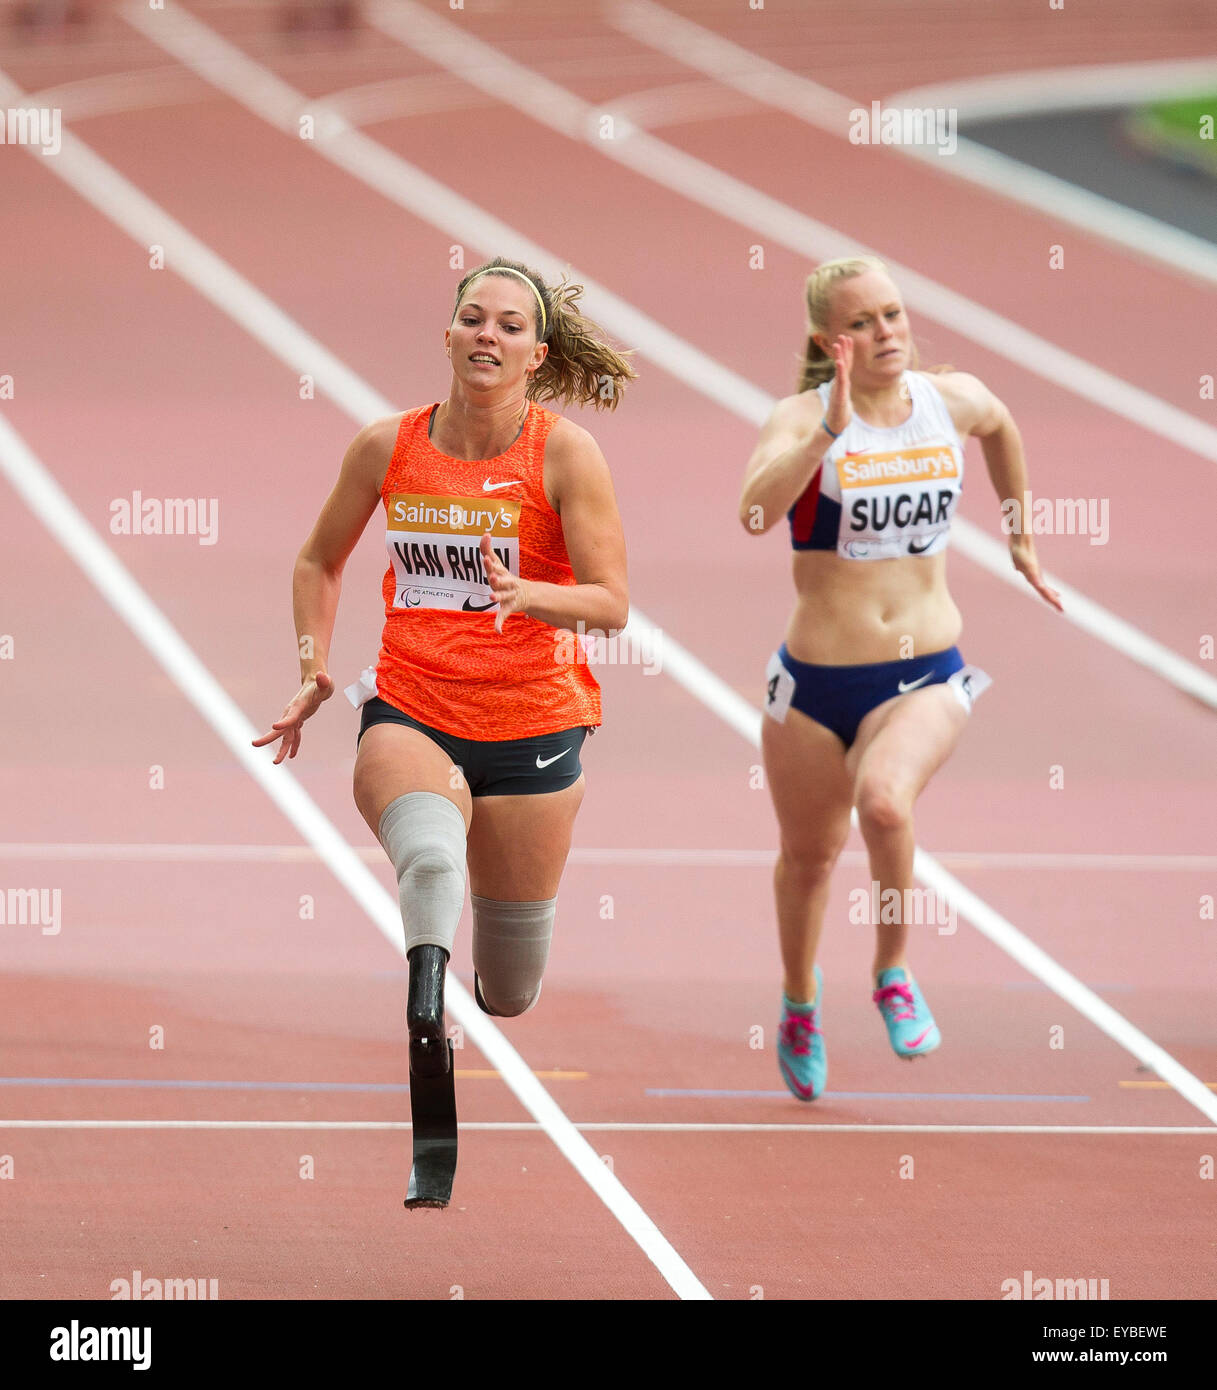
(463, 516)
(925, 464)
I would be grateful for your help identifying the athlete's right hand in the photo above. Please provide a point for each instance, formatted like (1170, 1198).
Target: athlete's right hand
(313, 692)
(840, 408)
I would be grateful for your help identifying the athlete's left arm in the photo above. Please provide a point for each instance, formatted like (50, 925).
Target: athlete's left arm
(580, 490)
(976, 410)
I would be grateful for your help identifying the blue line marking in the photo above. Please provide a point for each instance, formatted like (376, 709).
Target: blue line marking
(866, 1095)
(206, 1085)
(403, 1089)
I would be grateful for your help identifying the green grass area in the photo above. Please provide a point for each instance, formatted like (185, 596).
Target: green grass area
(1184, 117)
(1178, 130)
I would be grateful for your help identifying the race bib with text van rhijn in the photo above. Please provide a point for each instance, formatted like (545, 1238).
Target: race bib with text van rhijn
(434, 547)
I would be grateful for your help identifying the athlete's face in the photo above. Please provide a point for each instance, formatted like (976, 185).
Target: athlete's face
(868, 309)
(492, 339)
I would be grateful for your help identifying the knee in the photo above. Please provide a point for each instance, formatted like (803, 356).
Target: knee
(430, 864)
(882, 809)
(810, 864)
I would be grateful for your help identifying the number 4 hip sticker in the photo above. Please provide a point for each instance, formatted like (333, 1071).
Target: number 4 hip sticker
(779, 689)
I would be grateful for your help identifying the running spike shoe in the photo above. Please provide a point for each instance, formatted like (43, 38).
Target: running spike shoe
(910, 1025)
(801, 1046)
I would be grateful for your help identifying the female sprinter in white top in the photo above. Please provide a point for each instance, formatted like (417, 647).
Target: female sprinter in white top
(868, 694)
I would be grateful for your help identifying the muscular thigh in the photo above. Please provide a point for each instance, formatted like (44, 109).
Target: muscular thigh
(518, 844)
(902, 743)
(393, 760)
(811, 790)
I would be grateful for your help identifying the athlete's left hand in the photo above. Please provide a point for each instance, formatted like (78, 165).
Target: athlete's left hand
(1022, 552)
(511, 592)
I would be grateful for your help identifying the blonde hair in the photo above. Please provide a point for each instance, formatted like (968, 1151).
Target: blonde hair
(580, 366)
(817, 366)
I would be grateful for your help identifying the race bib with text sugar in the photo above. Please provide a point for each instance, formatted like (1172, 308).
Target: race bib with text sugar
(434, 547)
(897, 502)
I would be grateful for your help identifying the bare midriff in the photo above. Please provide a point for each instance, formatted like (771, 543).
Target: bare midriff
(855, 612)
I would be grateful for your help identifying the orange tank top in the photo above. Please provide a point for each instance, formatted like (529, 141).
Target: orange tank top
(440, 657)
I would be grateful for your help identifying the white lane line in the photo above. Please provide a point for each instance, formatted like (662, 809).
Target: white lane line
(679, 103)
(209, 55)
(450, 46)
(613, 1127)
(1088, 87)
(740, 69)
(589, 855)
(48, 501)
(110, 93)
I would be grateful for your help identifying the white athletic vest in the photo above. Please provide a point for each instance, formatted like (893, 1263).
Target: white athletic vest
(885, 492)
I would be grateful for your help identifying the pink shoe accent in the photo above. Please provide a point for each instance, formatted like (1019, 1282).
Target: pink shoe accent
(796, 1032)
(889, 994)
(916, 1042)
(803, 1092)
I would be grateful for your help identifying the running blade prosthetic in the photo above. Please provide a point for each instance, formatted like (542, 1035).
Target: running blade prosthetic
(432, 1082)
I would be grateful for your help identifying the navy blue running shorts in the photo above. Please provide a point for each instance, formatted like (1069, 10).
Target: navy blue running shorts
(840, 697)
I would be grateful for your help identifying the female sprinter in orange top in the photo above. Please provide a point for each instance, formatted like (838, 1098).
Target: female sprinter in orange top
(503, 535)
(868, 694)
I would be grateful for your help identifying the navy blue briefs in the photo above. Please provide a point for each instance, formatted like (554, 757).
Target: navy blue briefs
(840, 697)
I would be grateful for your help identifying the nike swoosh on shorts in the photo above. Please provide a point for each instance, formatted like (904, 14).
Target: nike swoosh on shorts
(554, 759)
(905, 686)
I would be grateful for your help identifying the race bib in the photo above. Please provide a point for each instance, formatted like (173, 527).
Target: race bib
(897, 502)
(779, 689)
(969, 683)
(434, 548)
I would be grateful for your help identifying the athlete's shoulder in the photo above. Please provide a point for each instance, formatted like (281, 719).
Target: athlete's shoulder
(973, 407)
(570, 444)
(382, 432)
(798, 413)
(369, 454)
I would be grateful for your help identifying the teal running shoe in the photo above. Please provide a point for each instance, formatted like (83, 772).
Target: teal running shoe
(910, 1025)
(801, 1046)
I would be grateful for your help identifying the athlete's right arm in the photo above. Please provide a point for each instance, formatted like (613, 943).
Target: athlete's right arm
(317, 578)
(793, 444)
(790, 450)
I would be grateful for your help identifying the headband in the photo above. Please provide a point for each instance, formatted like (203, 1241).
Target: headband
(499, 270)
